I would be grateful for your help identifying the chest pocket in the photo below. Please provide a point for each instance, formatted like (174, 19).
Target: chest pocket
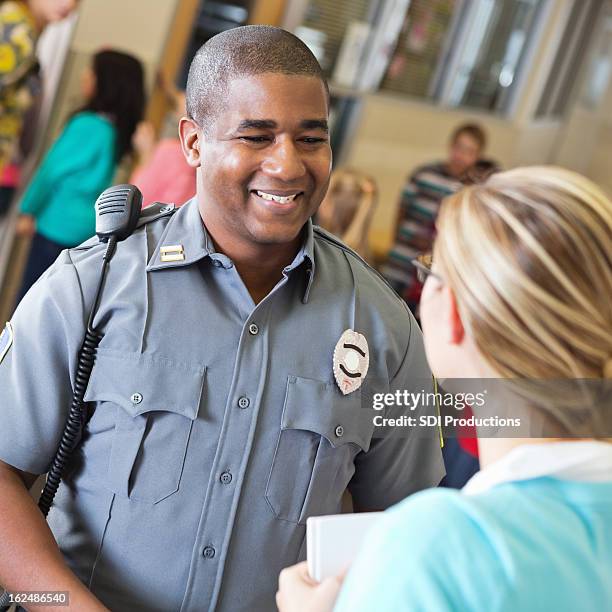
(154, 404)
(321, 432)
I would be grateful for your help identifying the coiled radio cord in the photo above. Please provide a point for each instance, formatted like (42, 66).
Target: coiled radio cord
(77, 416)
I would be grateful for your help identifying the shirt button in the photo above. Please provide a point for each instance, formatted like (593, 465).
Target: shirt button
(253, 329)
(339, 431)
(244, 402)
(226, 478)
(208, 552)
(217, 263)
(136, 398)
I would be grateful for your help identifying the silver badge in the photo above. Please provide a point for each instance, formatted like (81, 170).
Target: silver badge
(351, 361)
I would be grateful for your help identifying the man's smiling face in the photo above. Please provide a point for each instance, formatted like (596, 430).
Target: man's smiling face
(265, 159)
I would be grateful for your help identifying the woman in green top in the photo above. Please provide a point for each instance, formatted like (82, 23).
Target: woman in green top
(58, 206)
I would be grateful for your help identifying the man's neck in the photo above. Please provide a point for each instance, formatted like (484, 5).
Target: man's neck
(261, 277)
(260, 266)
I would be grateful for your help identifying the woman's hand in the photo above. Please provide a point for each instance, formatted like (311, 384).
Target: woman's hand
(298, 592)
(26, 226)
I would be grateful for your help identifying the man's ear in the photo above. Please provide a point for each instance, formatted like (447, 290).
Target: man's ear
(189, 134)
(454, 324)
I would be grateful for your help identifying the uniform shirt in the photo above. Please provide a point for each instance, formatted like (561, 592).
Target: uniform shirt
(218, 426)
(531, 532)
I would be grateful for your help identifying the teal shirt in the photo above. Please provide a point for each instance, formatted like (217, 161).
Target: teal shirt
(77, 168)
(541, 544)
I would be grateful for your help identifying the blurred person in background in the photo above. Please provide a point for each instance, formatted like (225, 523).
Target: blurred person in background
(161, 172)
(11, 173)
(520, 290)
(419, 204)
(415, 232)
(58, 205)
(347, 209)
(21, 23)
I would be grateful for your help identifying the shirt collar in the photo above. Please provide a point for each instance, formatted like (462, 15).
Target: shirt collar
(305, 256)
(186, 231)
(588, 461)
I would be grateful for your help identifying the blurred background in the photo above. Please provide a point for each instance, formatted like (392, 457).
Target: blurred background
(533, 74)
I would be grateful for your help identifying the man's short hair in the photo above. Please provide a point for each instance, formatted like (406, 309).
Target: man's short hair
(474, 131)
(243, 52)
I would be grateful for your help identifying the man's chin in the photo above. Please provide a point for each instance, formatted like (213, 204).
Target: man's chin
(267, 234)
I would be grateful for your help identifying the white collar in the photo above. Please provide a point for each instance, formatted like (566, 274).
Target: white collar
(588, 461)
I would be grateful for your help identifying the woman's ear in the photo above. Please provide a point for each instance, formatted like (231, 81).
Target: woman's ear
(456, 331)
(190, 137)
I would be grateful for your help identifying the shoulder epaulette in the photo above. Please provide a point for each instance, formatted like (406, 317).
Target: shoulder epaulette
(319, 231)
(147, 215)
(155, 211)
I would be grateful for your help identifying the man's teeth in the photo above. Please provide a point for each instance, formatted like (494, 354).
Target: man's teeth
(279, 199)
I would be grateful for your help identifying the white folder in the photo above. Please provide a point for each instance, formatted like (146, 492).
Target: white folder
(332, 542)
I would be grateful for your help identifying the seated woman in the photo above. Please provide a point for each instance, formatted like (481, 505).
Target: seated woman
(520, 290)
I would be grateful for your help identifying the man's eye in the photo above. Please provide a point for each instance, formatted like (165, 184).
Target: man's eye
(255, 139)
(313, 140)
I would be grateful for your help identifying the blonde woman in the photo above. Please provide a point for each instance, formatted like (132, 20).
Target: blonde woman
(347, 209)
(521, 289)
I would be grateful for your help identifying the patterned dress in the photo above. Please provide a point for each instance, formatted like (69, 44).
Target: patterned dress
(19, 80)
(415, 232)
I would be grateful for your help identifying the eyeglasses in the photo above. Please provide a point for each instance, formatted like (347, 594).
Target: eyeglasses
(423, 264)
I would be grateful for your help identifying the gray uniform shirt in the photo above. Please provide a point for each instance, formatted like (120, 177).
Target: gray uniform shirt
(218, 425)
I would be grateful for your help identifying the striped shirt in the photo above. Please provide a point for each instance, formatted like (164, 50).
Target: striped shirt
(419, 204)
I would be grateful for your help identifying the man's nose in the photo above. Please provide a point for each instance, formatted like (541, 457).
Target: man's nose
(284, 162)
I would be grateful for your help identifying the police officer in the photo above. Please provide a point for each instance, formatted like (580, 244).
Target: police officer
(241, 345)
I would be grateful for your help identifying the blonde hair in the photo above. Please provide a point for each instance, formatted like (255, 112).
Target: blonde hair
(528, 255)
(348, 207)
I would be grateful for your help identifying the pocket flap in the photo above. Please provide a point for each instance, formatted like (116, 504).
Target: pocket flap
(320, 407)
(140, 384)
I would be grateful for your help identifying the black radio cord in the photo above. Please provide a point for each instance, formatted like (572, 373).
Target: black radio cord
(74, 423)
(77, 416)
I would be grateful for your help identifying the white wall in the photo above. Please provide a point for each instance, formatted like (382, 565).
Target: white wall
(139, 26)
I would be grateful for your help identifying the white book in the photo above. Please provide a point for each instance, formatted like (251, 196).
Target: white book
(332, 542)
